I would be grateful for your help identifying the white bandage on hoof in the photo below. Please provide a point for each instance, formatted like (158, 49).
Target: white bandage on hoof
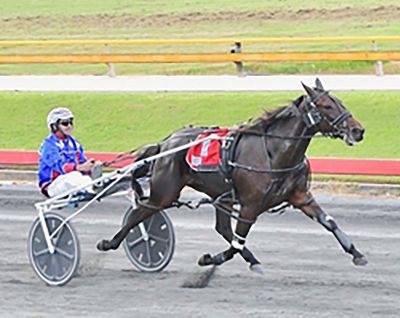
(238, 242)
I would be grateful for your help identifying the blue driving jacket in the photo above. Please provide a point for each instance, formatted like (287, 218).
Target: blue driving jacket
(57, 157)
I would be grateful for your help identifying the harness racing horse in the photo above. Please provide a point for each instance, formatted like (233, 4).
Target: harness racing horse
(266, 167)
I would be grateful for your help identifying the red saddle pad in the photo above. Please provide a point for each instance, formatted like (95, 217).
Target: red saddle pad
(205, 157)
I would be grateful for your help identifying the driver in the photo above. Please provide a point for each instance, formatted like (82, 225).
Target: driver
(62, 163)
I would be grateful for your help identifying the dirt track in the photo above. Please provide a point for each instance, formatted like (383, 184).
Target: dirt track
(306, 273)
(389, 12)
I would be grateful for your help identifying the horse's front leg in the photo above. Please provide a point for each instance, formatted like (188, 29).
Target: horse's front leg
(237, 242)
(305, 202)
(224, 227)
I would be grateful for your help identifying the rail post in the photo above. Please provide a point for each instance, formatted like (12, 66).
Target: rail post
(111, 66)
(237, 48)
(378, 64)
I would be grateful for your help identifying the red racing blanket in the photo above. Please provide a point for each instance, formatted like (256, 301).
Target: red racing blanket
(205, 157)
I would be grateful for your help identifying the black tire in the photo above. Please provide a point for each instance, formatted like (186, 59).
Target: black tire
(152, 253)
(59, 268)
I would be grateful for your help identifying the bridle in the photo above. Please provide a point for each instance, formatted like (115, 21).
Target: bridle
(313, 116)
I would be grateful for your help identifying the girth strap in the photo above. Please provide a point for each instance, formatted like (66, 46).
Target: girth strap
(227, 152)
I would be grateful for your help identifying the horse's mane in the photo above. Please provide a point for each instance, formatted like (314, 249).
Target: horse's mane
(270, 116)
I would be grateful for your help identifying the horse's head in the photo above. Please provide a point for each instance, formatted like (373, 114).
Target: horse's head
(329, 115)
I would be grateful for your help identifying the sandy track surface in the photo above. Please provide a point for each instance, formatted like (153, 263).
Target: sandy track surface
(306, 272)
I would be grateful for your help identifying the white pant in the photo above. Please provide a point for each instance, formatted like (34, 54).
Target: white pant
(67, 182)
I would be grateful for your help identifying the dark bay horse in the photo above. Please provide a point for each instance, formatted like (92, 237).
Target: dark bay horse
(267, 167)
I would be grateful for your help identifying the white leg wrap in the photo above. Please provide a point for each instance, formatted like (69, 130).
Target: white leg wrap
(237, 245)
(238, 242)
(238, 237)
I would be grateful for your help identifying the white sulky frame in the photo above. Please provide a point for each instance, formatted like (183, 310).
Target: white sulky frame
(72, 196)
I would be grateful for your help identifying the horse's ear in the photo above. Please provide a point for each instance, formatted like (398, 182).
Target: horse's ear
(309, 90)
(318, 84)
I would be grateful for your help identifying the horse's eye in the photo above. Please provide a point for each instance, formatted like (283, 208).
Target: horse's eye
(328, 107)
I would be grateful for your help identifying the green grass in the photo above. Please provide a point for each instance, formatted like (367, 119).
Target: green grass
(78, 7)
(121, 122)
(115, 19)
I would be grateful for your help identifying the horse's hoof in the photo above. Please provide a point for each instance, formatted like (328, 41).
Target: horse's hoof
(257, 268)
(102, 245)
(360, 260)
(205, 260)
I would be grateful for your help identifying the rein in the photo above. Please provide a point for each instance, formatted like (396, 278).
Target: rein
(263, 134)
(131, 153)
(121, 157)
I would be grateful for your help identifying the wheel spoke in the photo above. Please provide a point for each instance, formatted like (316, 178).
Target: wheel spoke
(150, 223)
(64, 253)
(158, 238)
(135, 242)
(148, 253)
(41, 253)
(50, 269)
(57, 238)
(56, 267)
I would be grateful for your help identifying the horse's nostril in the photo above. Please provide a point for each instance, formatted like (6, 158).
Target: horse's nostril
(357, 133)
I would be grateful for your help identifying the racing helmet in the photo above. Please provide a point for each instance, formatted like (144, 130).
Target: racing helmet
(57, 114)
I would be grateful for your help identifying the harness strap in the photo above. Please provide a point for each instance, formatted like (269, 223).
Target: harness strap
(227, 153)
(341, 118)
(252, 169)
(281, 209)
(229, 211)
(148, 206)
(305, 203)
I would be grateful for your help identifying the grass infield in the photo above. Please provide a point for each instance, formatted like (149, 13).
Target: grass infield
(121, 122)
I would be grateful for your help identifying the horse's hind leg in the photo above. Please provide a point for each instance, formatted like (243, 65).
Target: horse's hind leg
(165, 189)
(224, 227)
(310, 207)
(140, 214)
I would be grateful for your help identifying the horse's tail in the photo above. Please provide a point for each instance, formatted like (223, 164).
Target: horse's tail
(143, 153)
(147, 151)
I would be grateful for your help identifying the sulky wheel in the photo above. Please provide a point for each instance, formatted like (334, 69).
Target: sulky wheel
(150, 245)
(58, 268)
